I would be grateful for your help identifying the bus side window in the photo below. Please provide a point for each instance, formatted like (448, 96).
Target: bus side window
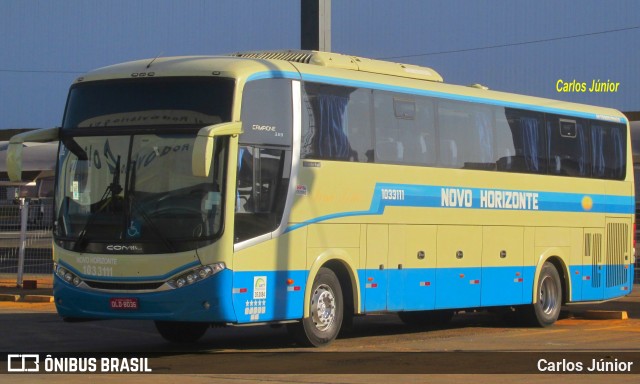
(505, 151)
(336, 123)
(264, 157)
(388, 118)
(569, 153)
(262, 183)
(529, 143)
(608, 151)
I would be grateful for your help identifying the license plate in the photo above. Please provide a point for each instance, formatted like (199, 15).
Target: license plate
(124, 303)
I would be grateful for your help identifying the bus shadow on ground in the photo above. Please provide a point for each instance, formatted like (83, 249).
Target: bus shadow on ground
(46, 332)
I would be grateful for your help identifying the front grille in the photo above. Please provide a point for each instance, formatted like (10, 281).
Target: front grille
(124, 286)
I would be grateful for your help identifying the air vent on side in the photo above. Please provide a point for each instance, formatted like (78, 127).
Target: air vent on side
(617, 250)
(593, 249)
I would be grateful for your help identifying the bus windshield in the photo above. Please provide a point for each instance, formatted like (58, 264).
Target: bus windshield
(126, 186)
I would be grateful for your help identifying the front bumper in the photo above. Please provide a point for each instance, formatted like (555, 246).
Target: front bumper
(204, 301)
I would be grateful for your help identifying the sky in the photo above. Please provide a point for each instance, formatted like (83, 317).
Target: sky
(515, 46)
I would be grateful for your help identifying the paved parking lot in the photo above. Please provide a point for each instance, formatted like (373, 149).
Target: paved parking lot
(474, 343)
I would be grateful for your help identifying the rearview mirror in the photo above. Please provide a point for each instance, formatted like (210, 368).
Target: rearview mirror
(203, 146)
(14, 152)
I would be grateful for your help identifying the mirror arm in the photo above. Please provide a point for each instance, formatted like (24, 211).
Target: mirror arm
(203, 146)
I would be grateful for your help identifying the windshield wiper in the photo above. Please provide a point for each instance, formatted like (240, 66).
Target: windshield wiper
(112, 191)
(132, 204)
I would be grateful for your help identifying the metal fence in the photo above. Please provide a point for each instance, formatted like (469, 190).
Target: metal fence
(25, 241)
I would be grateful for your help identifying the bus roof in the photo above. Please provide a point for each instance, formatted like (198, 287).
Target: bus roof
(343, 70)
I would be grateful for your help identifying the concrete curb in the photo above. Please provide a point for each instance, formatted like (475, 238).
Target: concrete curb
(605, 315)
(37, 299)
(13, 298)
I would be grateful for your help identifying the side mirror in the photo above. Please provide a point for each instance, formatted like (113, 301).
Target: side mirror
(203, 146)
(14, 152)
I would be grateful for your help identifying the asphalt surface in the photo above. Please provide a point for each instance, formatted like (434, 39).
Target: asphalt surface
(484, 340)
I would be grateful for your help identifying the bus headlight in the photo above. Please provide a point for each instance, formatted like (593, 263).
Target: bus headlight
(67, 275)
(196, 274)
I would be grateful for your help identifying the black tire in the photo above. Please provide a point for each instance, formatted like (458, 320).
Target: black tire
(323, 324)
(426, 318)
(181, 332)
(545, 311)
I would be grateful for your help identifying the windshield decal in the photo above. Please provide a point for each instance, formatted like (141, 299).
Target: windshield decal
(154, 117)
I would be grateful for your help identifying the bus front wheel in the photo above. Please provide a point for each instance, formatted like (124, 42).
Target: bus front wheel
(545, 311)
(323, 324)
(180, 331)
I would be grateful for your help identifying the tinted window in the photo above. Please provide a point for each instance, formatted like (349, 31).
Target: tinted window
(505, 151)
(466, 136)
(528, 133)
(336, 123)
(416, 130)
(608, 150)
(388, 126)
(263, 180)
(405, 129)
(149, 101)
(267, 112)
(264, 157)
(569, 153)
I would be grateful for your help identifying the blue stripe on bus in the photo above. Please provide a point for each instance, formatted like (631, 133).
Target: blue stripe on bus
(164, 277)
(430, 196)
(410, 289)
(388, 290)
(428, 93)
(274, 75)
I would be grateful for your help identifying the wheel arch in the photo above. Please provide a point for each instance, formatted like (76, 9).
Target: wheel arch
(343, 265)
(557, 257)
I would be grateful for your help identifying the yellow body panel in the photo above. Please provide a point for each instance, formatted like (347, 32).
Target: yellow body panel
(335, 219)
(119, 265)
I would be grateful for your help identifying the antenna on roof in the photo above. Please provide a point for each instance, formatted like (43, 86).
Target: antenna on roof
(154, 59)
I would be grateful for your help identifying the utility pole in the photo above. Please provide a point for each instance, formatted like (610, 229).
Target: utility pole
(315, 25)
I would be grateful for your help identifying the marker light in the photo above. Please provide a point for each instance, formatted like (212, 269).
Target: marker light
(67, 275)
(195, 275)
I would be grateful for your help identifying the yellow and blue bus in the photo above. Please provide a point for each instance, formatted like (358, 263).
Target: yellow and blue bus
(307, 188)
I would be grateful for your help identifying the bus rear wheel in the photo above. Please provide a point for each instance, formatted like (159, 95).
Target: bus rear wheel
(181, 331)
(545, 311)
(323, 324)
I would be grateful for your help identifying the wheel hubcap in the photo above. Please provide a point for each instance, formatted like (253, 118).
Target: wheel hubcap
(548, 295)
(323, 307)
